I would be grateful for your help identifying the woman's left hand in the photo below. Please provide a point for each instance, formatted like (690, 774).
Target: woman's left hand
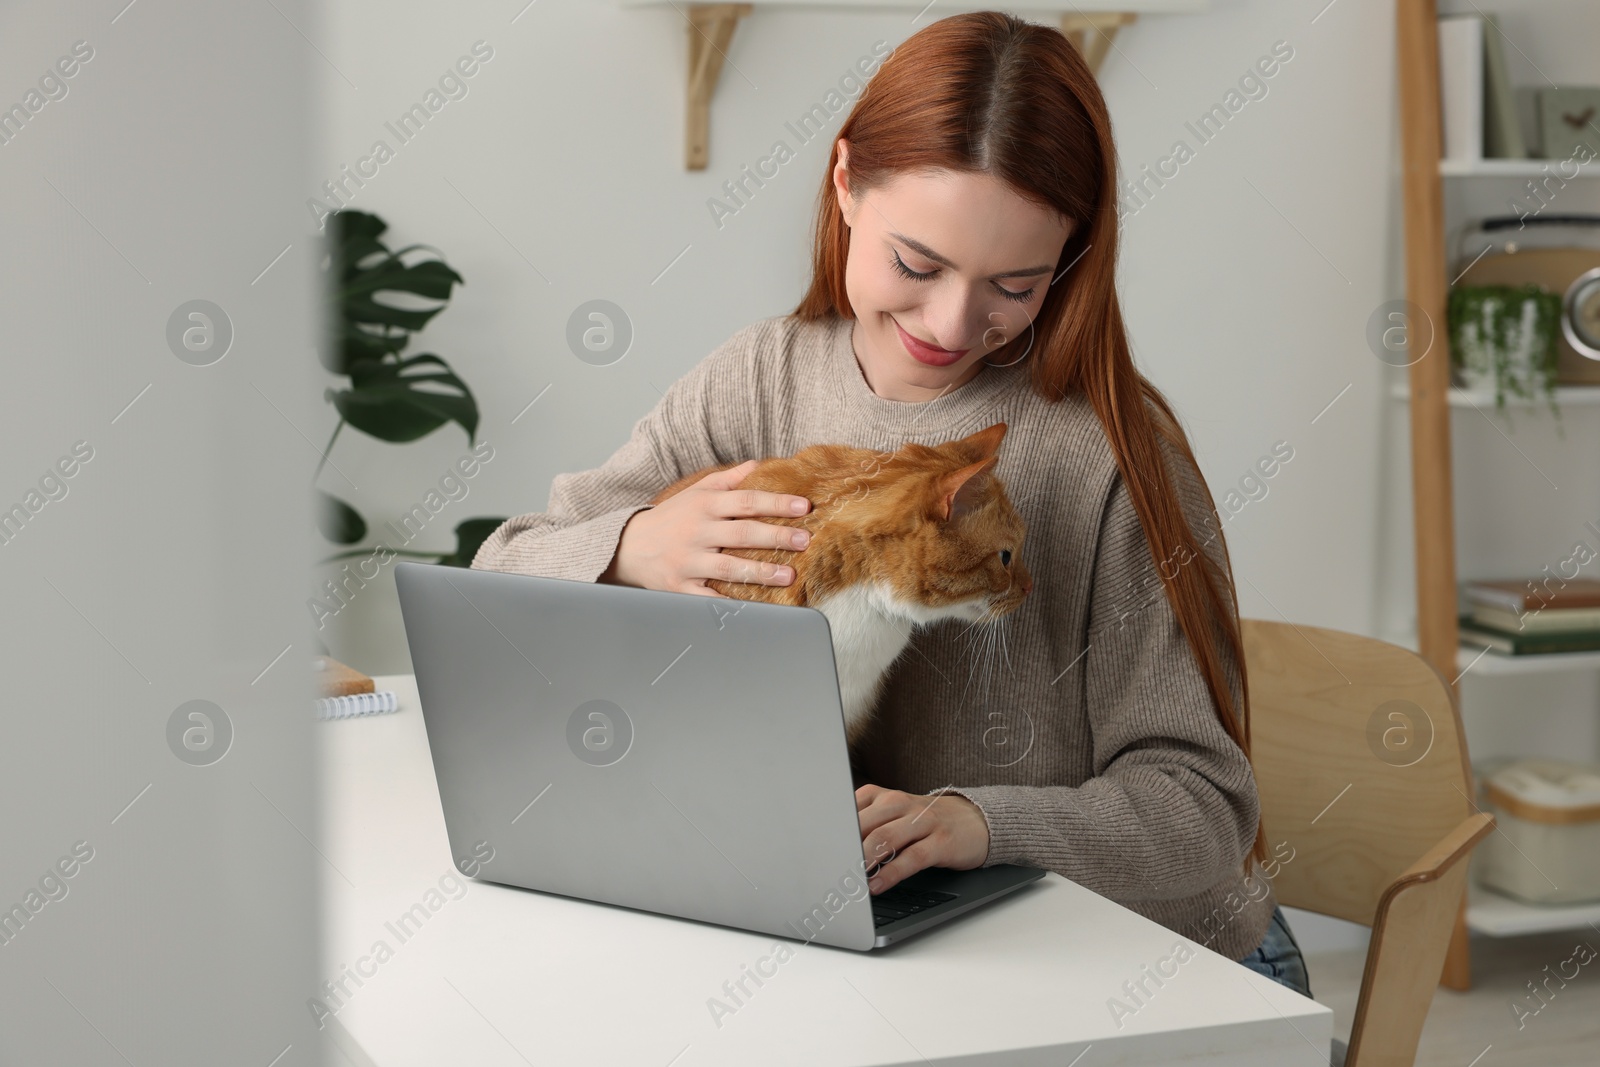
(906, 832)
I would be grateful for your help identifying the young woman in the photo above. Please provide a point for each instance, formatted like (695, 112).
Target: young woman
(963, 274)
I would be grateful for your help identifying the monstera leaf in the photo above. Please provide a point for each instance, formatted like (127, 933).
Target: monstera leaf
(377, 301)
(361, 270)
(338, 521)
(404, 399)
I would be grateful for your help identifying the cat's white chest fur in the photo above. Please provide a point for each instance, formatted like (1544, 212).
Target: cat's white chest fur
(870, 628)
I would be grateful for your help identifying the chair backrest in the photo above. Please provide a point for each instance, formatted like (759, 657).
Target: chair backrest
(1359, 759)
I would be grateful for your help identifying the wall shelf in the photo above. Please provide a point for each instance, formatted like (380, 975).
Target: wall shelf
(1491, 913)
(1090, 25)
(1511, 168)
(1492, 663)
(1472, 659)
(1566, 396)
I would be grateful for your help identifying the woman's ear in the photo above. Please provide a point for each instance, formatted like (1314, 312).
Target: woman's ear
(841, 182)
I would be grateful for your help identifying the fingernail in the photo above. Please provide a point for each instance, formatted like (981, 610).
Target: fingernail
(797, 506)
(800, 538)
(783, 574)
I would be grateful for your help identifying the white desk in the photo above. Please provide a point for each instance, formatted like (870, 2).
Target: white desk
(499, 976)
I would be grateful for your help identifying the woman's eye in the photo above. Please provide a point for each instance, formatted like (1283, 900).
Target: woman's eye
(1005, 557)
(922, 276)
(900, 266)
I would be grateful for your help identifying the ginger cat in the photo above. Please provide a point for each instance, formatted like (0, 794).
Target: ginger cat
(898, 540)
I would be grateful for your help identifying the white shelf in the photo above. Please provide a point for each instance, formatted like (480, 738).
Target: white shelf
(1499, 916)
(1566, 396)
(1495, 663)
(1511, 168)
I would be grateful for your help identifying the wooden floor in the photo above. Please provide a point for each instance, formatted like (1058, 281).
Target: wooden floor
(1478, 1028)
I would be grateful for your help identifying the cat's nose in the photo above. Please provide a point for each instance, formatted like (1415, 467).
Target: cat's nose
(1027, 585)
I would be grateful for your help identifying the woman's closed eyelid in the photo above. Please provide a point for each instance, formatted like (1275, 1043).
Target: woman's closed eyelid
(925, 275)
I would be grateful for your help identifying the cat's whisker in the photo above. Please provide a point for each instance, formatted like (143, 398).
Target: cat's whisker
(1005, 648)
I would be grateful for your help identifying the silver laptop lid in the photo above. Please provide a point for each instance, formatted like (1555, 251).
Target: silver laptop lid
(663, 751)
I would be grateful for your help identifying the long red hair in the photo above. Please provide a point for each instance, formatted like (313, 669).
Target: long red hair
(989, 93)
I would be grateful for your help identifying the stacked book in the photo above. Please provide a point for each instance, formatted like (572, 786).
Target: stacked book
(1522, 618)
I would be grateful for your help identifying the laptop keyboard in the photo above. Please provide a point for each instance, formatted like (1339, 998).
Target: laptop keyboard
(898, 901)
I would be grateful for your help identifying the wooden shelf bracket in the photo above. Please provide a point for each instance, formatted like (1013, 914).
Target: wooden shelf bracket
(711, 29)
(1092, 32)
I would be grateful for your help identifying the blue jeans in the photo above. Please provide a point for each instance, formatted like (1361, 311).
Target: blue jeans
(1278, 957)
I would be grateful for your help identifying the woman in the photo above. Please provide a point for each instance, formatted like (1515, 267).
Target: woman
(963, 269)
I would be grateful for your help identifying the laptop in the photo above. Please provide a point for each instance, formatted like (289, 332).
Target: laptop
(662, 751)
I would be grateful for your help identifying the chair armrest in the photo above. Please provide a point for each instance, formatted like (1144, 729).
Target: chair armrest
(1451, 848)
(1410, 936)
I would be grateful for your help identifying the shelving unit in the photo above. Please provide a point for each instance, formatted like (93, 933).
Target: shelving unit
(1091, 25)
(1488, 912)
(1431, 400)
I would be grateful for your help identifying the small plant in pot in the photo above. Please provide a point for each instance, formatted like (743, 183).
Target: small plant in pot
(389, 396)
(1504, 338)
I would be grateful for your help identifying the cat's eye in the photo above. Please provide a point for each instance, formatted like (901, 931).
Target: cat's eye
(1005, 557)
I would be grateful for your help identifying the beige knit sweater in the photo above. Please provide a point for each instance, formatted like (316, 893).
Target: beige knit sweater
(1089, 741)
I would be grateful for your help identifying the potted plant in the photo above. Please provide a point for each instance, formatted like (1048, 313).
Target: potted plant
(388, 395)
(1504, 337)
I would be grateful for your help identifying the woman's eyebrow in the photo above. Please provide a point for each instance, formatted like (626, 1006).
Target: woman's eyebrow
(922, 249)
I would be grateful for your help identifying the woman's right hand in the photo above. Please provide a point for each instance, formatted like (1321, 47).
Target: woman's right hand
(676, 545)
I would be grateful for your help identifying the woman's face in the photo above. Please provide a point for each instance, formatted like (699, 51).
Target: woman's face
(943, 268)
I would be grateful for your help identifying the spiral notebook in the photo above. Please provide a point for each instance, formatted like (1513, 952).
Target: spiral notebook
(343, 707)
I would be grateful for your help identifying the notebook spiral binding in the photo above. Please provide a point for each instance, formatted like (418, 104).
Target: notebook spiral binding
(343, 707)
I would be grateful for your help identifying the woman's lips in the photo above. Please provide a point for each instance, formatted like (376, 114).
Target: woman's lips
(926, 353)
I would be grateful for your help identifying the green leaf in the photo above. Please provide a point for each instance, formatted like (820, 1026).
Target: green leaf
(403, 400)
(361, 269)
(338, 521)
(358, 344)
(470, 536)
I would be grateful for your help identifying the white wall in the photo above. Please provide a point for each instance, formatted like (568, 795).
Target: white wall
(162, 857)
(566, 154)
(1248, 279)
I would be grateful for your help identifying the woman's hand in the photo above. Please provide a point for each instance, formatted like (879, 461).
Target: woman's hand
(677, 544)
(906, 832)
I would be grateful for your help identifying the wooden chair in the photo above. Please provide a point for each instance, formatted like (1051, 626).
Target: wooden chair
(1363, 772)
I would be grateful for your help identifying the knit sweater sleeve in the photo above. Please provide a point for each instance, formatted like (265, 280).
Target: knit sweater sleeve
(702, 419)
(1172, 806)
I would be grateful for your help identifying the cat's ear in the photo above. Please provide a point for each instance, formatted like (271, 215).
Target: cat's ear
(962, 491)
(980, 445)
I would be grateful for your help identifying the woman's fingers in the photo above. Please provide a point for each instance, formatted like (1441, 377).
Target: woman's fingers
(738, 503)
(726, 479)
(727, 567)
(755, 533)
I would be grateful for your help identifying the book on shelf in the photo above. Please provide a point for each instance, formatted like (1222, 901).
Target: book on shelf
(1523, 595)
(1502, 133)
(1528, 644)
(1461, 84)
(1548, 621)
